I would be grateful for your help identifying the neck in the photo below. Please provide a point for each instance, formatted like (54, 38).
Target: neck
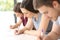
(36, 16)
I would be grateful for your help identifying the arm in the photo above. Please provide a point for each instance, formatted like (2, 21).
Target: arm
(54, 34)
(16, 25)
(29, 25)
(43, 23)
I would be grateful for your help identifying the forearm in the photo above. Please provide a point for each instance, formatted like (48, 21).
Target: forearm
(44, 23)
(25, 28)
(51, 36)
(32, 32)
(17, 24)
(29, 25)
(54, 34)
(56, 30)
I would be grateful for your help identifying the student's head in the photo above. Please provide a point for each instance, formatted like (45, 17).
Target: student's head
(17, 10)
(51, 8)
(27, 8)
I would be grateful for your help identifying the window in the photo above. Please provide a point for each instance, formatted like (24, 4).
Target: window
(6, 5)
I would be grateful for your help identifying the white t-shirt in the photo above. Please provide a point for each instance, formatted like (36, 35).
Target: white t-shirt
(57, 22)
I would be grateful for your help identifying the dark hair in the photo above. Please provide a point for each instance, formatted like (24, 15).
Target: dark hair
(28, 4)
(39, 3)
(17, 8)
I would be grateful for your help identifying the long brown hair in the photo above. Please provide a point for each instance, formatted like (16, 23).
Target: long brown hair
(28, 4)
(17, 8)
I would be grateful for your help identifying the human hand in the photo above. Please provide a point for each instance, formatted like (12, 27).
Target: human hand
(12, 26)
(17, 32)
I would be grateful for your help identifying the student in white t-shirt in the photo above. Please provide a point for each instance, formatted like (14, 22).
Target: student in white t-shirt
(51, 9)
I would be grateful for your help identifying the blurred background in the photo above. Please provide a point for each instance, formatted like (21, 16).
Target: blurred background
(7, 17)
(7, 5)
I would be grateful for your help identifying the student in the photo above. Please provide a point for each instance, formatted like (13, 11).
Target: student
(51, 9)
(18, 13)
(28, 10)
(39, 21)
(25, 20)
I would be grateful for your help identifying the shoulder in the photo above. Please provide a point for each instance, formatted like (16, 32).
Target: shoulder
(57, 21)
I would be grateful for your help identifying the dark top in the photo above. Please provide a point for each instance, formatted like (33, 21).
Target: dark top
(24, 20)
(49, 27)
